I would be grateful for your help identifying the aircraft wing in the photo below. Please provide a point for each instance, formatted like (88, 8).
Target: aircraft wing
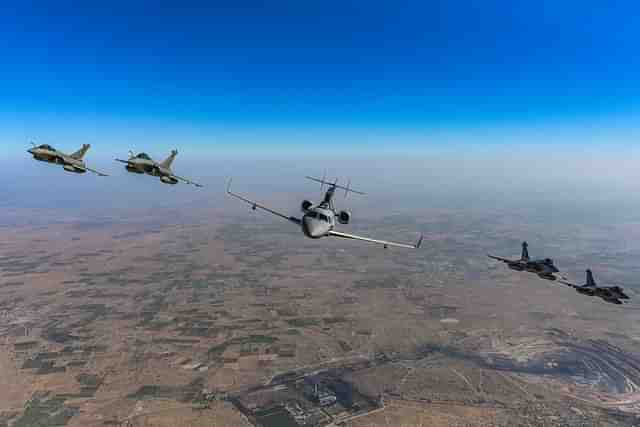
(95, 171)
(256, 205)
(381, 242)
(187, 181)
(508, 261)
(571, 285)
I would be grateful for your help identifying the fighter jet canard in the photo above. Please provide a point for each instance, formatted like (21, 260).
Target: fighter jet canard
(544, 268)
(610, 294)
(70, 162)
(319, 220)
(141, 163)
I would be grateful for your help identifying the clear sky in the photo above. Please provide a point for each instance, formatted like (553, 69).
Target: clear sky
(274, 74)
(461, 99)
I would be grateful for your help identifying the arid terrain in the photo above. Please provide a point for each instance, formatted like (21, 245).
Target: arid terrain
(221, 317)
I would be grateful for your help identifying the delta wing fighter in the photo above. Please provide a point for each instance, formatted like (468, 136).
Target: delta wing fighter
(70, 162)
(141, 163)
(319, 220)
(610, 294)
(544, 268)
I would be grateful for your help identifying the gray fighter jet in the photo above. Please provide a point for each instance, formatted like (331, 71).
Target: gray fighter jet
(70, 162)
(544, 268)
(611, 294)
(143, 164)
(319, 220)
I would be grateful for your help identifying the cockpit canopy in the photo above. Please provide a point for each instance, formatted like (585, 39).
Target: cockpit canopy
(320, 216)
(548, 261)
(47, 147)
(143, 156)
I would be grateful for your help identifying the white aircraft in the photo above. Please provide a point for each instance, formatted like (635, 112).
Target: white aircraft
(320, 220)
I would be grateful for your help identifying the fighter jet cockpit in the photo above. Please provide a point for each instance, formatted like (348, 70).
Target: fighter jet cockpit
(47, 147)
(144, 156)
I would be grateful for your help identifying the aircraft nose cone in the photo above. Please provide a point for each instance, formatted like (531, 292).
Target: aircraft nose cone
(311, 227)
(30, 151)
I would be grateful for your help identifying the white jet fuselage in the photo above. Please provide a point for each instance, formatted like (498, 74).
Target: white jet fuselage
(318, 222)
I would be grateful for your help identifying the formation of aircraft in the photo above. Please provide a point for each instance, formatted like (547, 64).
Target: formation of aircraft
(319, 219)
(610, 294)
(544, 268)
(141, 163)
(70, 162)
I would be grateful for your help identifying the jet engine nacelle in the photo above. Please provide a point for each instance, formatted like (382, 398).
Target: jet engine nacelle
(168, 180)
(70, 168)
(344, 217)
(306, 205)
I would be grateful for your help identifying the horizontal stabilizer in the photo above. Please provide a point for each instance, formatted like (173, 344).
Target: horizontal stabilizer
(334, 184)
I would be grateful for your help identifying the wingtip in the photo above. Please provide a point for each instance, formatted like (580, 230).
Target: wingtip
(229, 185)
(419, 243)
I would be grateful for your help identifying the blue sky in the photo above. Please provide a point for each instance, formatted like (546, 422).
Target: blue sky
(273, 74)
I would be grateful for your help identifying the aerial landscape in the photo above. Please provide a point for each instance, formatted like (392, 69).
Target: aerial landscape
(353, 214)
(228, 317)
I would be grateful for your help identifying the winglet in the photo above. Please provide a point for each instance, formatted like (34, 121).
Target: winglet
(419, 243)
(229, 185)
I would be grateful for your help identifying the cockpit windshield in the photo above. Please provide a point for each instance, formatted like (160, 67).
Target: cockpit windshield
(317, 215)
(47, 147)
(548, 261)
(144, 156)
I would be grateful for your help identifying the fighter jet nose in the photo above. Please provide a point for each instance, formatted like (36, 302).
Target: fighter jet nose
(30, 151)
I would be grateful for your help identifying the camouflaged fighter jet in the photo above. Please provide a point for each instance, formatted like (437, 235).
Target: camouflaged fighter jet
(70, 162)
(143, 164)
(610, 294)
(319, 220)
(544, 268)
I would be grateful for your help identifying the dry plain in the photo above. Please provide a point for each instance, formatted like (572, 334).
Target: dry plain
(150, 319)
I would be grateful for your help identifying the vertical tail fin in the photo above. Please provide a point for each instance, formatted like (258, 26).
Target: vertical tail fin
(166, 163)
(590, 281)
(525, 252)
(81, 152)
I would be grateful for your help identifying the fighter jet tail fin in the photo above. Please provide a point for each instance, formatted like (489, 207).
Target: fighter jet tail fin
(166, 163)
(525, 252)
(81, 152)
(590, 281)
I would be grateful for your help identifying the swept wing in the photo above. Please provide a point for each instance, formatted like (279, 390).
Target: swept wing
(256, 205)
(381, 242)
